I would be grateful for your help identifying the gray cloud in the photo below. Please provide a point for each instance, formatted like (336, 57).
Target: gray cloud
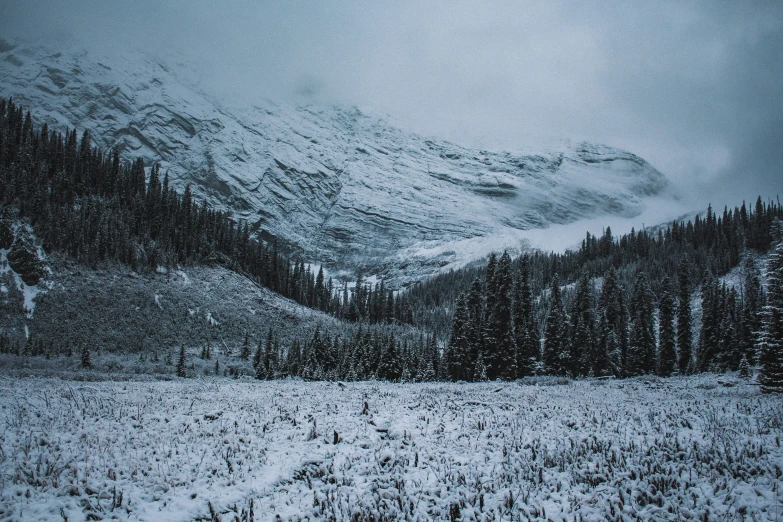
(696, 88)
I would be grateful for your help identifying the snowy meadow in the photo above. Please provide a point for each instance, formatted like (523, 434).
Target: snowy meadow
(701, 448)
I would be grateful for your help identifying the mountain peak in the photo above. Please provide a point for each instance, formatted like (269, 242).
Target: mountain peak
(347, 188)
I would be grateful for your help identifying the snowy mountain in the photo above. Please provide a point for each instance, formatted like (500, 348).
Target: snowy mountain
(347, 188)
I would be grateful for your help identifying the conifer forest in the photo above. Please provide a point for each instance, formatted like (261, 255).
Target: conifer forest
(618, 306)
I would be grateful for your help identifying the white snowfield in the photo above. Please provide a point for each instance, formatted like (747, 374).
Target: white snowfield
(696, 448)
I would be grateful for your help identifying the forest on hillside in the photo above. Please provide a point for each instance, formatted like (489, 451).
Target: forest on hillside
(617, 306)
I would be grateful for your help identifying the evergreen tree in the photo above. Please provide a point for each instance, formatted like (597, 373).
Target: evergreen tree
(310, 368)
(556, 353)
(181, 370)
(503, 352)
(433, 353)
(245, 353)
(752, 303)
(427, 372)
(744, 368)
(667, 356)
(480, 370)
(684, 333)
(709, 337)
(611, 322)
(390, 368)
(730, 353)
(459, 344)
(86, 356)
(258, 357)
(475, 331)
(269, 363)
(582, 345)
(641, 349)
(771, 339)
(524, 327)
(489, 284)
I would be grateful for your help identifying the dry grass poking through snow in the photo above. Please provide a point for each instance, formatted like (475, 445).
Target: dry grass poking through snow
(674, 449)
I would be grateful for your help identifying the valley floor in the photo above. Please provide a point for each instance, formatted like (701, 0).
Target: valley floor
(703, 448)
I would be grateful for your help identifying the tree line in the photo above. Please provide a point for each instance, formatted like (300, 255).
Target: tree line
(618, 313)
(615, 306)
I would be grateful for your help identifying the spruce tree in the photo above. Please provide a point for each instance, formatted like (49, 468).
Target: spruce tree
(310, 369)
(480, 370)
(459, 344)
(524, 327)
(427, 372)
(582, 345)
(181, 370)
(259, 356)
(475, 332)
(556, 354)
(752, 302)
(684, 333)
(504, 350)
(667, 356)
(489, 283)
(641, 349)
(269, 362)
(390, 368)
(86, 356)
(730, 353)
(433, 353)
(709, 337)
(245, 353)
(744, 368)
(611, 322)
(329, 355)
(771, 339)
(260, 370)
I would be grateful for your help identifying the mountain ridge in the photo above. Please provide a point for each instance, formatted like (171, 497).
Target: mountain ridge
(347, 188)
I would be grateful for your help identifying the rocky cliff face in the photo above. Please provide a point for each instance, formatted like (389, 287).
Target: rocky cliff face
(346, 188)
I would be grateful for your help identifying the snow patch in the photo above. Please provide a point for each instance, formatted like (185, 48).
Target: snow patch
(184, 276)
(29, 293)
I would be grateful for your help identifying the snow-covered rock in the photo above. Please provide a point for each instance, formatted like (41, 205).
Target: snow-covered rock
(348, 189)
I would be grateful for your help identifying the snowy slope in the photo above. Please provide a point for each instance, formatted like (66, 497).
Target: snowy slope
(347, 188)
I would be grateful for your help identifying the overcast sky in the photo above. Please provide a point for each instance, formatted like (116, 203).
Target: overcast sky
(696, 88)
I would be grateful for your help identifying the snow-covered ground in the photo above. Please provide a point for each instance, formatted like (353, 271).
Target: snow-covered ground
(705, 448)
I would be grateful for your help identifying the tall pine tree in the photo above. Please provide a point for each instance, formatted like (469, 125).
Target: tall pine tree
(583, 343)
(667, 356)
(556, 354)
(684, 333)
(771, 339)
(641, 349)
(524, 324)
(503, 352)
